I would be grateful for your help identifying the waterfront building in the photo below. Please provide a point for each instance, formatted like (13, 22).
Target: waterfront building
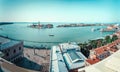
(66, 57)
(12, 50)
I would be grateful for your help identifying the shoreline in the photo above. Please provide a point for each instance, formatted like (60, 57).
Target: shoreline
(31, 47)
(6, 23)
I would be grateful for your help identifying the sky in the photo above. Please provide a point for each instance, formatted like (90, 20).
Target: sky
(60, 10)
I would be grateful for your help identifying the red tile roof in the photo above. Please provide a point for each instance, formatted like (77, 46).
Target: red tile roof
(99, 51)
(92, 61)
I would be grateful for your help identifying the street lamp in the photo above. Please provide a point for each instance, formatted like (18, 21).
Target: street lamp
(34, 50)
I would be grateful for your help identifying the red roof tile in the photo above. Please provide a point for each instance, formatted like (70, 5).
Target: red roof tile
(92, 61)
(99, 50)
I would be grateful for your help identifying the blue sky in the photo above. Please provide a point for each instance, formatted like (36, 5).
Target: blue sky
(60, 10)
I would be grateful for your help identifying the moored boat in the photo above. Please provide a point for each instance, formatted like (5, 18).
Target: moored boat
(51, 35)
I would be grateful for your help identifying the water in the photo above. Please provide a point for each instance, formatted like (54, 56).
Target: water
(41, 38)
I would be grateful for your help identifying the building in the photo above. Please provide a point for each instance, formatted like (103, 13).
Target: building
(101, 53)
(109, 64)
(57, 63)
(12, 50)
(74, 59)
(70, 45)
(66, 57)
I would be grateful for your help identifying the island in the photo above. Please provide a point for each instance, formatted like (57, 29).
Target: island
(5, 23)
(41, 26)
(82, 25)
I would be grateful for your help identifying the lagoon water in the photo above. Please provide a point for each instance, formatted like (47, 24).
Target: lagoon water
(41, 38)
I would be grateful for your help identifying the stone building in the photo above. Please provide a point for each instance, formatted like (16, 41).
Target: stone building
(12, 50)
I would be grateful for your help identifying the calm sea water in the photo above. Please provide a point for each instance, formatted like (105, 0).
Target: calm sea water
(41, 38)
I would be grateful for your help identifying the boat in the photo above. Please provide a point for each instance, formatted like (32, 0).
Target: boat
(92, 29)
(51, 35)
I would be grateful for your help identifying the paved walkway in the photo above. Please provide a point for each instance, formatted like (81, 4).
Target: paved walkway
(37, 60)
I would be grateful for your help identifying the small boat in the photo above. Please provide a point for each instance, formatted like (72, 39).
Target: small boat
(92, 29)
(51, 35)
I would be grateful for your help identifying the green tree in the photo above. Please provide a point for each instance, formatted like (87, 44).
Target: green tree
(114, 37)
(107, 39)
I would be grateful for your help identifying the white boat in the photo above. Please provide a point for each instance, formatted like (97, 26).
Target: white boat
(92, 29)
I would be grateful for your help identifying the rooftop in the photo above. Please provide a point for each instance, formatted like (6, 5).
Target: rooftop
(92, 61)
(8, 44)
(57, 61)
(3, 40)
(109, 64)
(73, 55)
(74, 59)
(99, 51)
(71, 45)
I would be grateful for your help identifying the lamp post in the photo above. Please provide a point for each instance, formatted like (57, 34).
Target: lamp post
(34, 50)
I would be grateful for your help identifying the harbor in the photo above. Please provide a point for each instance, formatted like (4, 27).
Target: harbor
(49, 37)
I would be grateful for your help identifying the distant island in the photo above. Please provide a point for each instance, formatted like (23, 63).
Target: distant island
(82, 25)
(5, 23)
(41, 26)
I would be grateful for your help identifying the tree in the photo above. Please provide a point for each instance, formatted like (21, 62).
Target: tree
(107, 39)
(114, 37)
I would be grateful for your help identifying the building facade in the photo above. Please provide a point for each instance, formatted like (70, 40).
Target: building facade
(12, 50)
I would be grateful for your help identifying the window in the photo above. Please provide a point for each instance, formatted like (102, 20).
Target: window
(7, 54)
(19, 48)
(14, 51)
